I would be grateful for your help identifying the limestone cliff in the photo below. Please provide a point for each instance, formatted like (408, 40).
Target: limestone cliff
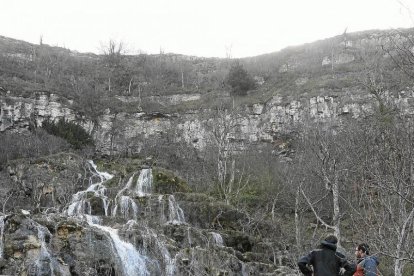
(260, 122)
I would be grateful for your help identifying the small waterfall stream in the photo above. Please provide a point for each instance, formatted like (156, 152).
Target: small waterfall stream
(144, 182)
(45, 261)
(1, 235)
(80, 204)
(128, 208)
(217, 238)
(176, 214)
(131, 261)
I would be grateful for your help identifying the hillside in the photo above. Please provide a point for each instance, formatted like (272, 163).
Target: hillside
(324, 67)
(194, 179)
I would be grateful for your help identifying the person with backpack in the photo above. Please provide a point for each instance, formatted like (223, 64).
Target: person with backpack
(367, 264)
(326, 261)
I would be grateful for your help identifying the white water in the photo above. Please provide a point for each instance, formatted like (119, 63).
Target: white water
(80, 204)
(102, 175)
(45, 258)
(130, 260)
(217, 238)
(176, 214)
(44, 253)
(144, 182)
(124, 203)
(154, 243)
(132, 263)
(163, 219)
(128, 208)
(244, 270)
(1, 235)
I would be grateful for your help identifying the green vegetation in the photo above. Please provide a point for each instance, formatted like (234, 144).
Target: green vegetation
(239, 80)
(165, 182)
(73, 133)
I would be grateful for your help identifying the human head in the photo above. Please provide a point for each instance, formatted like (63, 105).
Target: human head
(362, 250)
(331, 239)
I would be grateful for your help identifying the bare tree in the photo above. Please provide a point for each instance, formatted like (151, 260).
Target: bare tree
(325, 167)
(112, 54)
(384, 199)
(231, 176)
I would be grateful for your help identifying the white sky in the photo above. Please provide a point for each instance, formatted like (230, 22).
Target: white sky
(194, 27)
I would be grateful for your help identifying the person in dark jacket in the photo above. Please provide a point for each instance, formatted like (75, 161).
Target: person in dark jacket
(325, 261)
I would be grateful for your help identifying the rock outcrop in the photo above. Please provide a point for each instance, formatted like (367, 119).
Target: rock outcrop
(261, 122)
(119, 225)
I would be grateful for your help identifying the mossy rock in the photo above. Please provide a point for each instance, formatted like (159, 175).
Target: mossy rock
(113, 182)
(239, 241)
(120, 167)
(194, 197)
(165, 182)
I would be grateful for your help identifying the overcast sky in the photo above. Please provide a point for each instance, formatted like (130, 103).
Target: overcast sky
(193, 27)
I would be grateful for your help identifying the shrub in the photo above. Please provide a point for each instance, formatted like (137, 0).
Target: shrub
(239, 80)
(73, 133)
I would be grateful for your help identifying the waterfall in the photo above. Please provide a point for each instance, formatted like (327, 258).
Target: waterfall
(154, 243)
(176, 214)
(131, 262)
(124, 202)
(45, 264)
(217, 238)
(80, 201)
(1, 235)
(144, 182)
(163, 219)
(102, 175)
(190, 242)
(44, 256)
(244, 270)
(128, 207)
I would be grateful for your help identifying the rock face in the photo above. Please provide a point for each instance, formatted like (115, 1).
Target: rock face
(120, 226)
(256, 123)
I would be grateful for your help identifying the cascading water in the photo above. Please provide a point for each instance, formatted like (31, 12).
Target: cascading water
(80, 201)
(125, 204)
(44, 256)
(176, 214)
(144, 182)
(128, 208)
(45, 264)
(1, 235)
(155, 244)
(130, 260)
(217, 238)
(163, 219)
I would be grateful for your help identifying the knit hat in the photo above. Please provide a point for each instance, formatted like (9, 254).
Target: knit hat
(331, 239)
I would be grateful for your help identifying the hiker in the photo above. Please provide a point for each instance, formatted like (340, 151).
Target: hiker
(367, 265)
(325, 261)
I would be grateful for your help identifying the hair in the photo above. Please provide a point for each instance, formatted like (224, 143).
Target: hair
(332, 239)
(364, 247)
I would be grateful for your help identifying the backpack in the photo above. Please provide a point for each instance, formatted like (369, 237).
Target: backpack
(370, 266)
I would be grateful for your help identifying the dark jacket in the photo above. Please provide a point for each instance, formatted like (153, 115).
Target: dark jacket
(325, 262)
